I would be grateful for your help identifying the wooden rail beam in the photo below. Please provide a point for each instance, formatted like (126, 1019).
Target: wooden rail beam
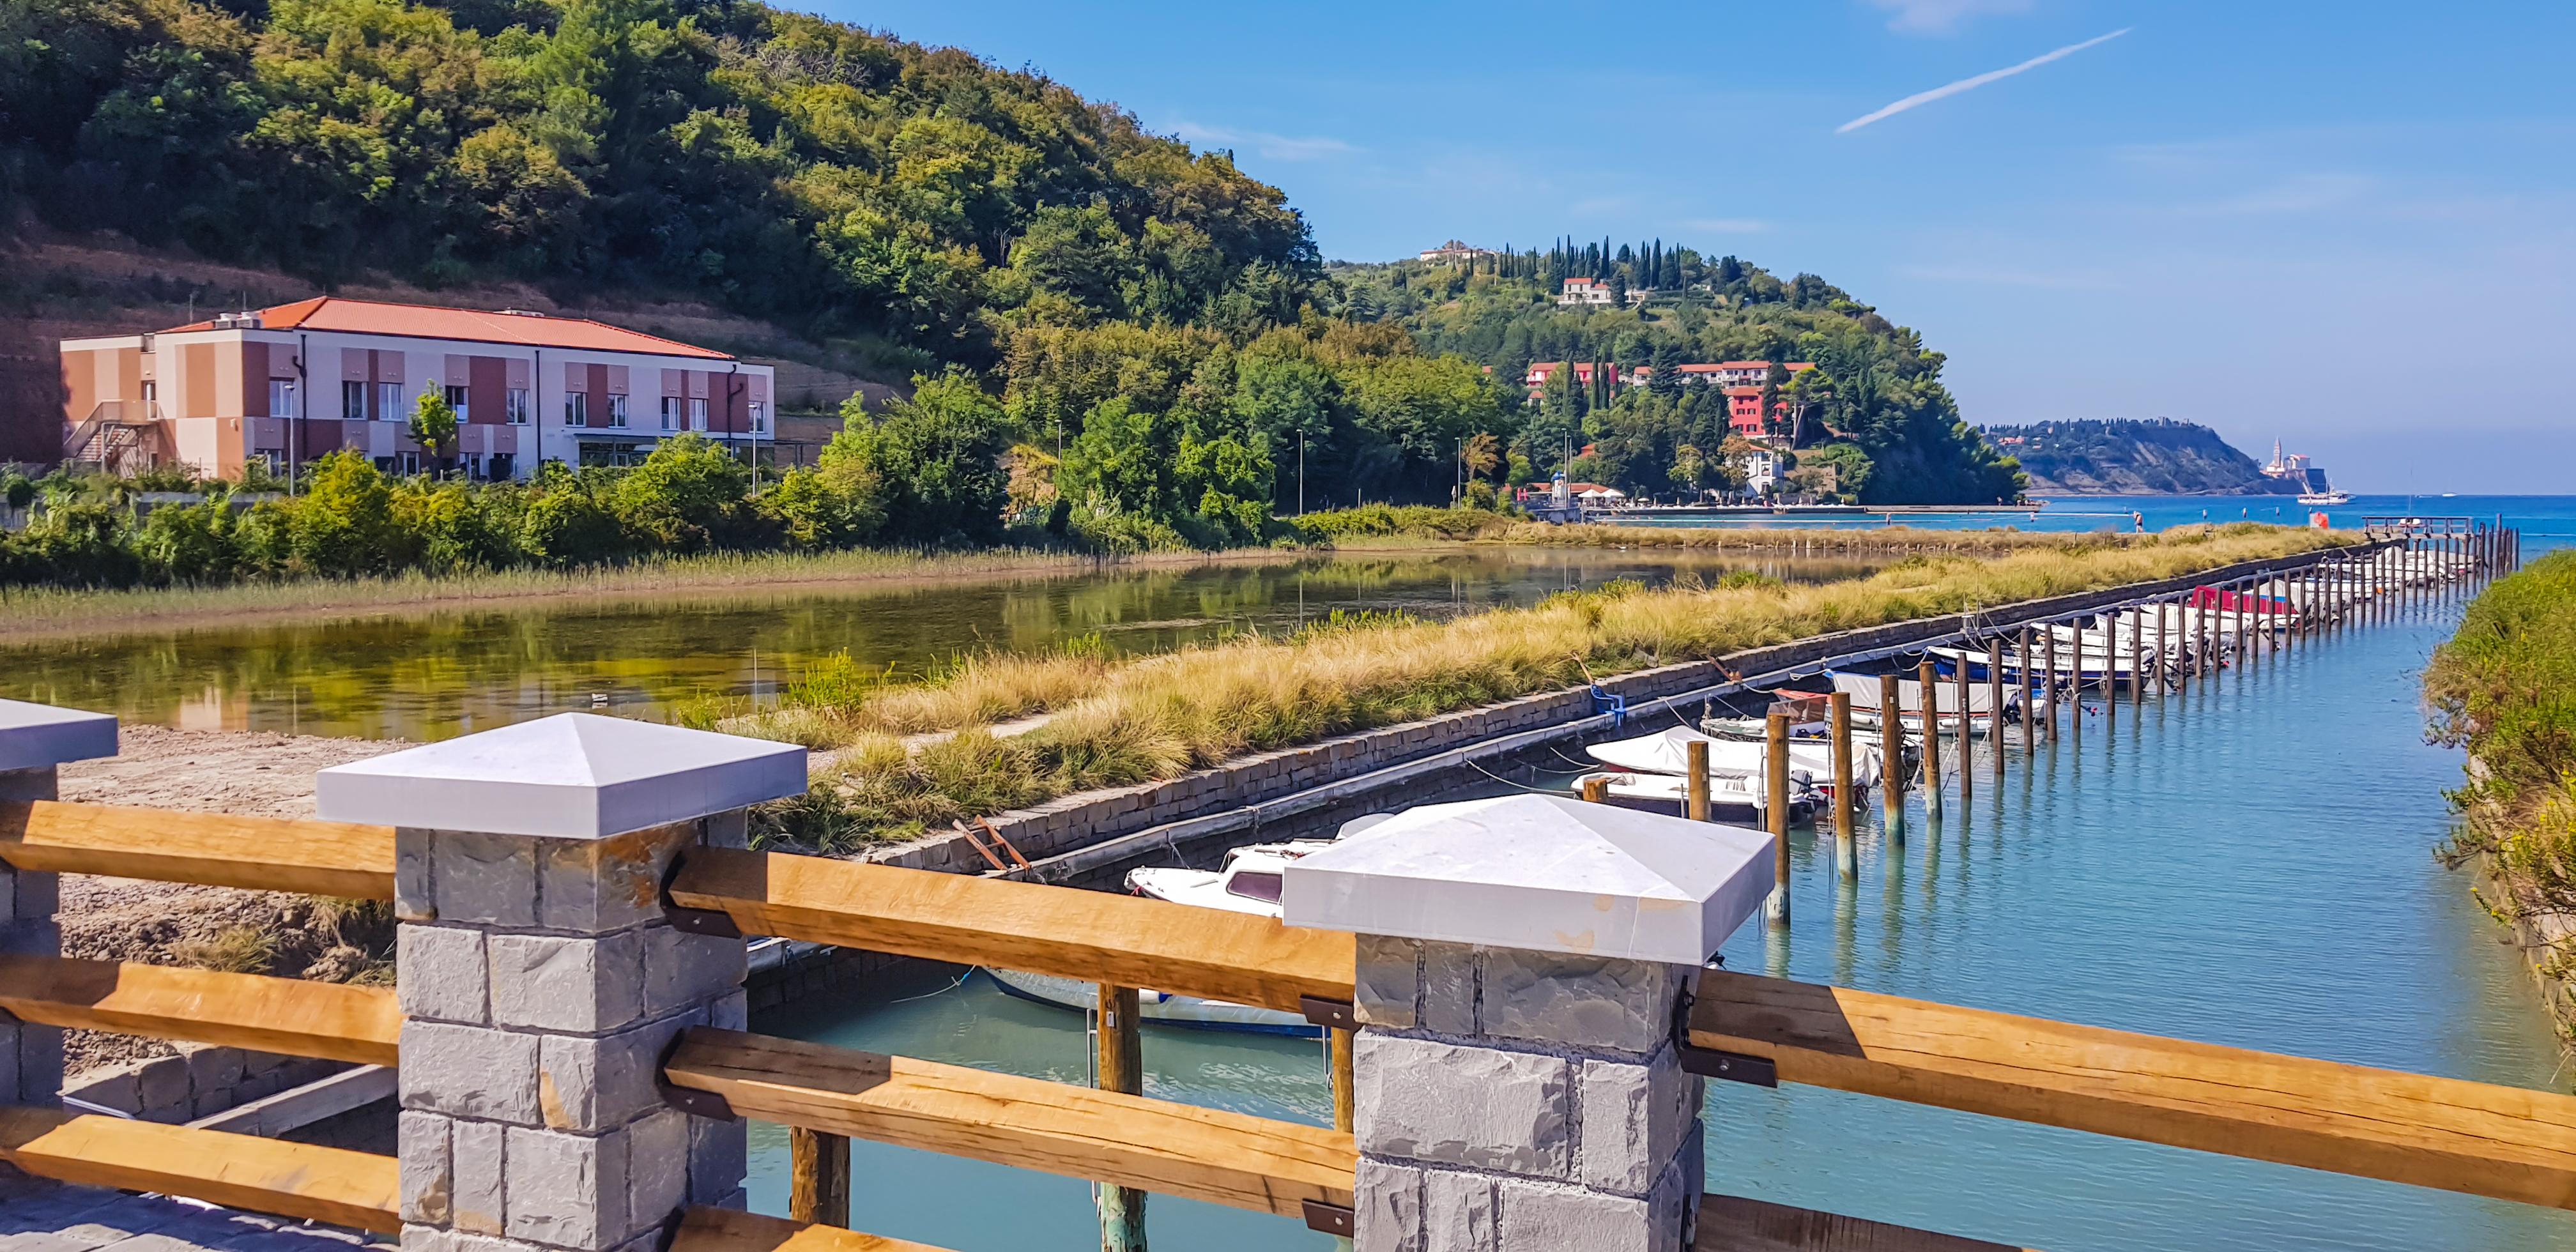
(1086, 935)
(238, 1171)
(1128, 1141)
(289, 1015)
(2508, 1143)
(215, 849)
(731, 1230)
(1735, 1224)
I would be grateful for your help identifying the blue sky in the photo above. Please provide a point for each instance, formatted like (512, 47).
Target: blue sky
(2352, 225)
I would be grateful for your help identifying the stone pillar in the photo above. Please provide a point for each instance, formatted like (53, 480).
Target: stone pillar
(1523, 963)
(34, 739)
(541, 982)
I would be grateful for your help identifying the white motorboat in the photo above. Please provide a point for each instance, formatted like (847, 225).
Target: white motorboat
(1248, 881)
(1668, 752)
(1736, 799)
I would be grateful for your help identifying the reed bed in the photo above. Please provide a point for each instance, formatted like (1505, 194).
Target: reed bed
(1122, 722)
(2505, 687)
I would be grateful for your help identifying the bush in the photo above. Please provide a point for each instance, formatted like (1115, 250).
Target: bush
(687, 497)
(345, 525)
(935, 459)
(76, 545)
(189, 543)
(566, 524)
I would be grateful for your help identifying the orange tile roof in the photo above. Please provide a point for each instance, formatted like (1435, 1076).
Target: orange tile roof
(425, 321)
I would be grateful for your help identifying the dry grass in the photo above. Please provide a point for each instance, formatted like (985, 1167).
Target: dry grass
(1907, 540)
(233, 950)
(1125, 722)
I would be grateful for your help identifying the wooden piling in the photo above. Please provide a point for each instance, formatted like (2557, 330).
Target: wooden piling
(2048, 659)
(1995, 696)
(2029, 701)
(1775, 769)
(2075, 686)
(1929, 685)
(2137, 658)
(1891, 739)
(1846, 837)
(1345, 1101)
(1596, 790)
(2161, 606)
(1696, 756)
(818, 1178)
(2111, 671)
(1122, 1069)
(1967, 737)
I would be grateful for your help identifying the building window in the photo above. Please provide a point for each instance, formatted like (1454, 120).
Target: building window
(759, 418)
(281, 397)
(388, 402)
(670, 412)
(697, 413)
(353, 401)
(616, 410)
(576, 408)
(514, 406)
(456, 401)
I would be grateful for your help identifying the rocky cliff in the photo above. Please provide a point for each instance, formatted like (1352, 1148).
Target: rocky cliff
(2156, 456)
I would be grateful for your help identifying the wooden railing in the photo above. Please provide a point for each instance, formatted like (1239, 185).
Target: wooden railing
(2500, 1142)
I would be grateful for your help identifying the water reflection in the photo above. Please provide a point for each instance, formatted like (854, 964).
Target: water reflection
(430, 675)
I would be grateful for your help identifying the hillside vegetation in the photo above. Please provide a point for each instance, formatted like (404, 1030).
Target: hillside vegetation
(2157, 456)
(1874, 409)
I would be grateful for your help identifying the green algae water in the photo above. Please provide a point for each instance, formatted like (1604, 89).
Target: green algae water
(2247, 863)
(433, 674)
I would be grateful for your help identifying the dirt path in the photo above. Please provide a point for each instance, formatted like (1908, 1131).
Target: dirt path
(122, 919)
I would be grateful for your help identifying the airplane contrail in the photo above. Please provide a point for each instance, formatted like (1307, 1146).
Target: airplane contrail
(1921, 98)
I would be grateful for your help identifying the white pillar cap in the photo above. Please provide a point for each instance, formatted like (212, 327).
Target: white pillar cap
(39, 736)
(570, 776)
(1540, 874)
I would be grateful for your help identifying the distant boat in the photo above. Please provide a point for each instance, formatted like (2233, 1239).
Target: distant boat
(2321, 491)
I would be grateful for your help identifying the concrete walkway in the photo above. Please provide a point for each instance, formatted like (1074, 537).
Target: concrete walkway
(40, 1216)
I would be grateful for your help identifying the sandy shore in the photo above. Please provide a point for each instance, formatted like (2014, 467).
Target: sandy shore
(250, 773)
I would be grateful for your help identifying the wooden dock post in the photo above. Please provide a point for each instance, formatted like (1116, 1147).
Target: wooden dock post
(2110, 672)
(1695, 754)
(2048, 658)
(1928, 686)
(818, 1177)
(1891, 739)
(1122, 1069)
(2075, 686)
(1846, 838)
(2029, 701)
(1596, 790)
(1967, 737)
(1995, 696)
(1775, 771)
(2137, 658)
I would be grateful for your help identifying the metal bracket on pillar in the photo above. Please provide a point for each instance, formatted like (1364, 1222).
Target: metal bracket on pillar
(1329, 1014)
(1331, 1219)
(713, 923)
(1753, 1071)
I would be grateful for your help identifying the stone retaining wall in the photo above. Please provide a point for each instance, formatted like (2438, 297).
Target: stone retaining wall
(1076, 821)
(200, 1081)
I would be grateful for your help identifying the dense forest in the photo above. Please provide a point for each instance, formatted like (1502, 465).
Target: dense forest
(1874, 408)
(1144, 333)
(2153, 456)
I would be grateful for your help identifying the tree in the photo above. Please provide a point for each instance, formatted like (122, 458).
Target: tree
(938, 457)
(1667, 379)
(344, 523)
(433, 423)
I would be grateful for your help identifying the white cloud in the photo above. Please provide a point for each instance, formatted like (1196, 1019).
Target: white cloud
(1275, 147)
(1940, 17)
(1947, 90)
(1728, 225)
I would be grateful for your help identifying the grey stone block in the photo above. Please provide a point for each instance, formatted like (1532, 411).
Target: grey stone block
(568, 1190)
(483, 880)
(162, 1085)
(1388, 983)
(593, 1084)
(594, 886)
(683, 971)
(1580, 1001)
(482, 1166)
(729, 829)
(733, 1012)
(470, 1071)
(119, 1088)
(1635, 1120)
(1542, 1217)
(213, 1071)
(1451, 987)
(1458, 1212)
(1386, 1208)
(545, 982)
(441, 973)
(719, 1157)
(415, 895)
(427, 1170)
(1445, 1104)
(657, 1166)
(26, 895)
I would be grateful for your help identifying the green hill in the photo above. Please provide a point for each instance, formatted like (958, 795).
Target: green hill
(2156, 456)
(1874, 408)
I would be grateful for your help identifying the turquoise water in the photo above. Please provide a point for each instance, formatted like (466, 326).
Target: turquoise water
(2247, 863)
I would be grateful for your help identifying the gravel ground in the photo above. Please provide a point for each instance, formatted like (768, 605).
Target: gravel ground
(244, 772)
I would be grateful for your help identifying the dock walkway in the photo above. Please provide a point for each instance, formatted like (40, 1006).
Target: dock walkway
(41, 1216)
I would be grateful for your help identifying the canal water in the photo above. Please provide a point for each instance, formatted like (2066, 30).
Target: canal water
(432, 675)
(2247, 863)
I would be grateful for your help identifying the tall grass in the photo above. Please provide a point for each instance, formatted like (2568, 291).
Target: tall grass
(2505, 687)
(1124, 722)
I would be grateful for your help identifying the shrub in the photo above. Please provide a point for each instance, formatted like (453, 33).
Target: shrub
(345, 524)
(566, 523)
(687, 497)
(188, 543)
